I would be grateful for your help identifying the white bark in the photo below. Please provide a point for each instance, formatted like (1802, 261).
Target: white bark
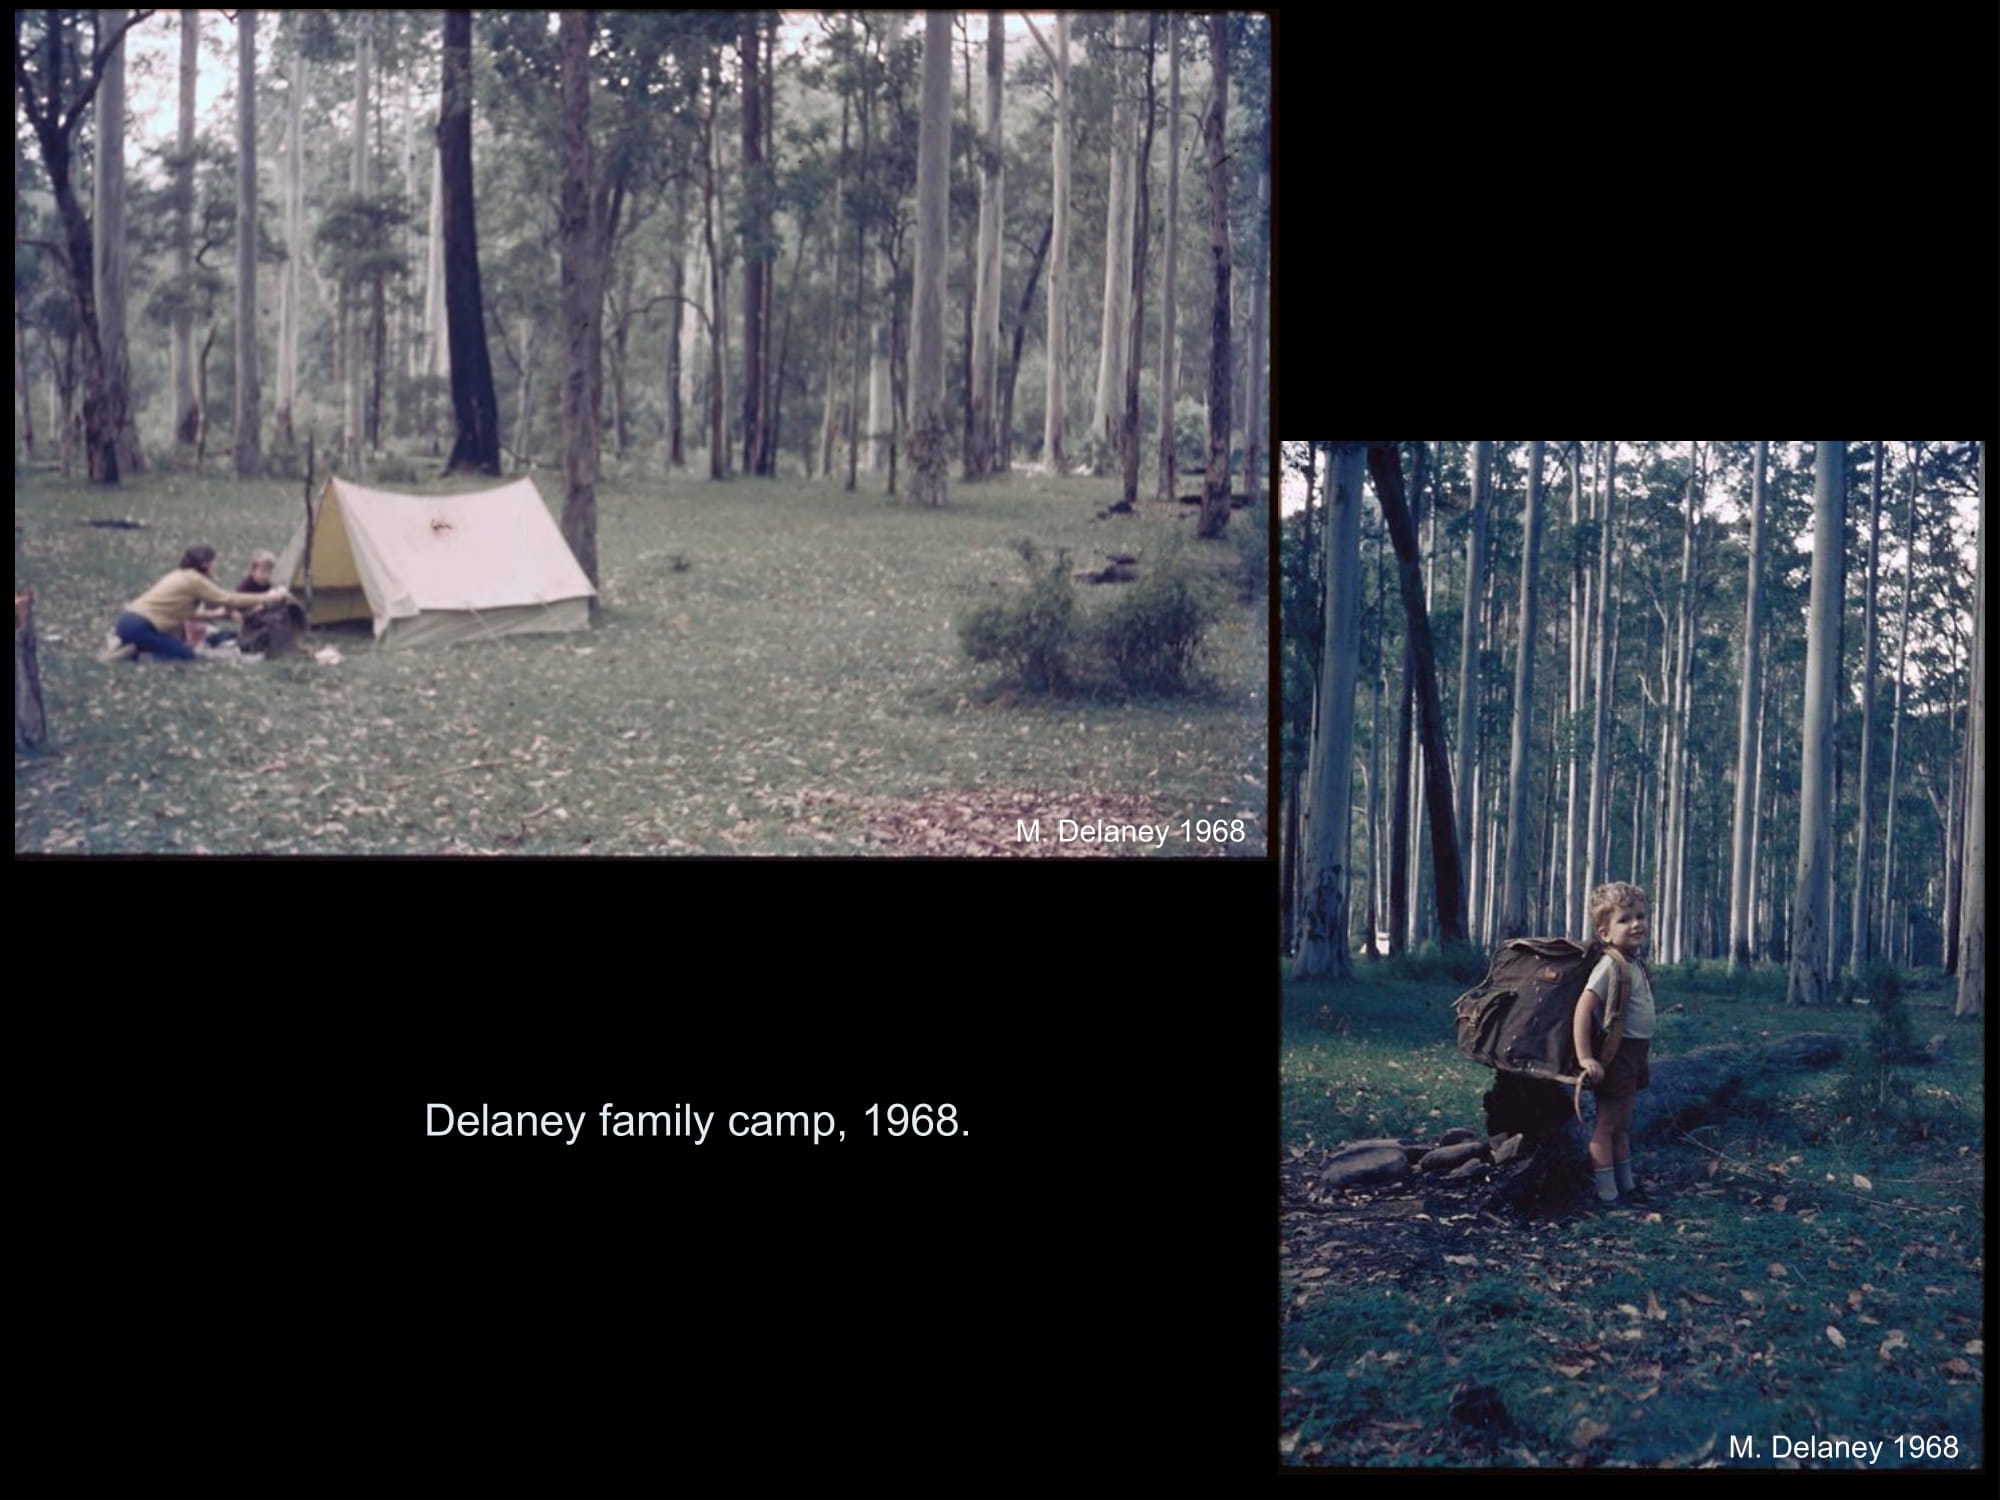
(1327, 831)
(1514, 904)
(1468, 660)
(927, 445)
(1972, 899)
(249, 459)
(1600, 756)
(1746, 726)
(1811, 945)
(1108, 409)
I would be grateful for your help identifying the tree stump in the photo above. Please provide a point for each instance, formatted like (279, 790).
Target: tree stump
(30, 723)
(1554, 1163)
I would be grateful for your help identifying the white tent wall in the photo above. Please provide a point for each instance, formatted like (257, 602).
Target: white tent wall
(433, 570)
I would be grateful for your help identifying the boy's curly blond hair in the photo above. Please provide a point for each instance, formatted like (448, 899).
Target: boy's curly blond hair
(1607, 898)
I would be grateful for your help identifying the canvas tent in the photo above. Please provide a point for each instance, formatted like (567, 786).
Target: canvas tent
(432, 570)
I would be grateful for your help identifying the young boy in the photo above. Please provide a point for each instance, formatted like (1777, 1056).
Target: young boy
(1617, 915)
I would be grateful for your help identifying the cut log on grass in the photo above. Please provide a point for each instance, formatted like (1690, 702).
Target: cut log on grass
(1553, 1166)
(30, 725)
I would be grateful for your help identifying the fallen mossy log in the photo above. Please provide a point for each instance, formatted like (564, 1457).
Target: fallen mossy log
(1684, 1091)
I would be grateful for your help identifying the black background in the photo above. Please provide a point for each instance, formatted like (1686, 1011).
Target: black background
(1085, 1269)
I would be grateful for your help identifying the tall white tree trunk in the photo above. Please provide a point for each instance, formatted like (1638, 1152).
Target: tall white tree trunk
(1514, 905)
(1810, 980)
(1169, 308)
(437, 352)
(1324, 875)
(1055, 449)
(357, 334)
(1972, 900)
(187, 411)
(881, 416)
(1108, 408)
(979, 457)
(1600, 747)
(249, 456)
(1896, 716)
(1746, 726)
(1253, 352)
(928, 457)
(295, 249)
(1858, 937)
(1468, 659)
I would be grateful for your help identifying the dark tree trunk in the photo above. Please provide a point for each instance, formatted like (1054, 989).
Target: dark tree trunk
(1006, 455)
(31, 727)
(476, 449)
(582, 298)
(1385, 465)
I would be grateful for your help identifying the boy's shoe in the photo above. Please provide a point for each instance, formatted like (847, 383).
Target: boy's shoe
(1638, 1197)
(116, 650)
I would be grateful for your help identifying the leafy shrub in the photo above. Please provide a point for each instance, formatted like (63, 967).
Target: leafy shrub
(1032, 633)
(1152, 634)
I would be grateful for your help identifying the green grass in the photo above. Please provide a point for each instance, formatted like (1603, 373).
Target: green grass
(1629, 1341)
(793, 685)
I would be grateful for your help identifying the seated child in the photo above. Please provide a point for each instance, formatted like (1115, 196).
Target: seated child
(155, 621)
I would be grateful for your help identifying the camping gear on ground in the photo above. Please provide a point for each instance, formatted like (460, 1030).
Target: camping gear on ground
(273, 629)
(431, 570)
(1518, 1019)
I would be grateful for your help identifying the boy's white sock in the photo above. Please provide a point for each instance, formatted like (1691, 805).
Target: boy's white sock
(1626, 1184)
(1607, 1189)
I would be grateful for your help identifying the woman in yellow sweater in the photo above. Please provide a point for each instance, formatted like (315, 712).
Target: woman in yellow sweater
(154, 621)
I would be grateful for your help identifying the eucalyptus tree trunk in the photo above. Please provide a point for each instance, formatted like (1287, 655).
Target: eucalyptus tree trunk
(718, 364)
(1253, 353)
(1570, 745)
(1385, 466)
(187, 411)
(1896, 716)
(979, 453)
(755, 268)
(1810, 977)
(288, 274)
(1054, 446)
(358, 185)
(1747, 711)
(1857, 953)
(1215, 490)
(928, 458)
(1972, 924)
(1128, 425)
(582, 299)
(475, 408)
(111, 259)
(249, 458)
(1468, 657)
(1674, 923)
(676, 314)
(1514, 903)
(1169, 306)
(1328, 833)
(1600, 748)
(1112, 346)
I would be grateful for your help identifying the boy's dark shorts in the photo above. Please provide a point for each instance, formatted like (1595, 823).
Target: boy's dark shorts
(1628, 1072)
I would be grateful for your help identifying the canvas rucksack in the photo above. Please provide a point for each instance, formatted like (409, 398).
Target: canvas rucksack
(1518, 1019)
